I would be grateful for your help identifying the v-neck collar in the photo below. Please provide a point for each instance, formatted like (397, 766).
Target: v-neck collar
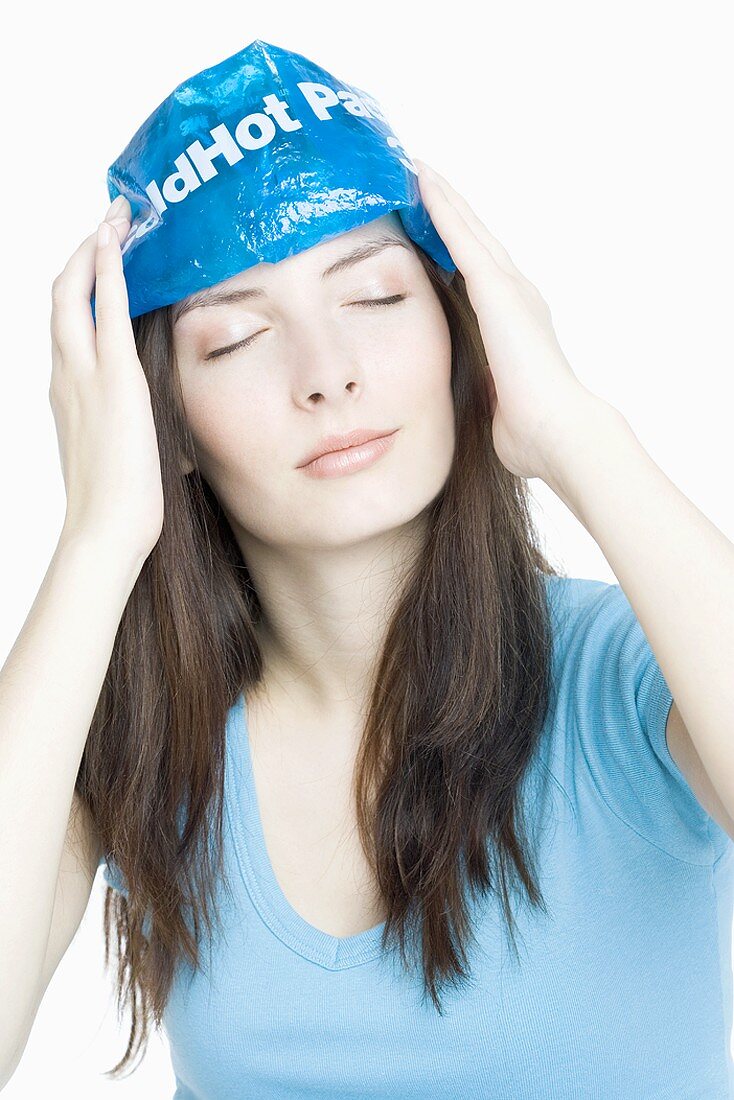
(332, 952)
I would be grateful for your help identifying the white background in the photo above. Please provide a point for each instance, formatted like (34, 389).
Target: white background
(594, 140)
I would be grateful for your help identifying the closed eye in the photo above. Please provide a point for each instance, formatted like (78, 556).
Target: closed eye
(231, 347)
(392, 300)
(369, 302)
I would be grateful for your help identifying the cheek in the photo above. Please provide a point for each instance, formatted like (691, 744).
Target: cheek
(233, 435)
(427, 365)
(432, 413)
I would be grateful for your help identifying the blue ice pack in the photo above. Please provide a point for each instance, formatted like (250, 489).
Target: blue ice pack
(250, 161)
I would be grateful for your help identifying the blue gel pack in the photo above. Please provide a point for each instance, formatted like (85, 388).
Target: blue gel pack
(259, 157)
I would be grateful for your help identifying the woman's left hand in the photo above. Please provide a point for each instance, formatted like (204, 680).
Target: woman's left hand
(535, 398)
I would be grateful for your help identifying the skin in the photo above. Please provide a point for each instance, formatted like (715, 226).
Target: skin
(673, 564)
(324, 554)
(545, 424)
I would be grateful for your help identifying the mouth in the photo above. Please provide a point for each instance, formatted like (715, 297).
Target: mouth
(343, 441)
(346, 460)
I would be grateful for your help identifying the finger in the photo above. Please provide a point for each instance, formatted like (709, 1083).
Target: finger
(72, 327)
(71, 324)
(112, 310)
(489, 241)
(119, 208)
(478, 226)
(466, 249)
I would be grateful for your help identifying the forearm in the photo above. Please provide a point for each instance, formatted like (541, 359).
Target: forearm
(674, 565)
(49, 689)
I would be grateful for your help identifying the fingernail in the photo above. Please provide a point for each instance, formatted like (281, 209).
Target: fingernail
(104, 232)
(115, 207)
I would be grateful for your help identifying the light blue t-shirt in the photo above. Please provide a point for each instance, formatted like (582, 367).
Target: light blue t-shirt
(623, 990)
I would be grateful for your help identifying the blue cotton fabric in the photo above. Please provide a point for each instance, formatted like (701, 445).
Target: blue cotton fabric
(623, 990)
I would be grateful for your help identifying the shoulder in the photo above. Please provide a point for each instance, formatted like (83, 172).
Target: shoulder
(575, 593)
(580, 607)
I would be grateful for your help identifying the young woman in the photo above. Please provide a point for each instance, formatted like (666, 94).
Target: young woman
(338, 731)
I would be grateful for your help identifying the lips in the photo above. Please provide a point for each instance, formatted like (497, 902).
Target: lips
(349, 460)
(340, 442)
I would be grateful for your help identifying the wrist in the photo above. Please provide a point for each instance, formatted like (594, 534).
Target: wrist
(104, 550)
(578, 442)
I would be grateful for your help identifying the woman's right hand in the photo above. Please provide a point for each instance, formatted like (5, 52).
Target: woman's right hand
(101, 401)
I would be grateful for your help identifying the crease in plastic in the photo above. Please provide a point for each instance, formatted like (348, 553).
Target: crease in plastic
(253, 160)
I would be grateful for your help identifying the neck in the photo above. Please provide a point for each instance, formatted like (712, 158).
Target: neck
(325, 617)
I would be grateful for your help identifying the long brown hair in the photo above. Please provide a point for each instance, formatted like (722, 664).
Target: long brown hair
(459, 697)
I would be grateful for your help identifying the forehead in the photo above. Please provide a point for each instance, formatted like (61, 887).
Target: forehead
(323, 261)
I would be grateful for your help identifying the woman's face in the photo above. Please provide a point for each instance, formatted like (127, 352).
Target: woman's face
(317, 362)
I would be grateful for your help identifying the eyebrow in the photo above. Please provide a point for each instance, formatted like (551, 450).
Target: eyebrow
(220, 297)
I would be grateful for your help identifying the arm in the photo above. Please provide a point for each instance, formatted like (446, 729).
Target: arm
(677, 570)
(49, 688)
(674, 566)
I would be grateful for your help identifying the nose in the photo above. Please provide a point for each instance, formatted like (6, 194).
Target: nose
(326, 367)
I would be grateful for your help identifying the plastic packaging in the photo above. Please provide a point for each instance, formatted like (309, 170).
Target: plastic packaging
(257, 158)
